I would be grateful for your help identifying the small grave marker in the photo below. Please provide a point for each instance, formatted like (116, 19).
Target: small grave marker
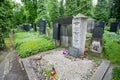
(73, 52)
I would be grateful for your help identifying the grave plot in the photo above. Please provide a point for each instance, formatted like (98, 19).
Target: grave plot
(53, 65)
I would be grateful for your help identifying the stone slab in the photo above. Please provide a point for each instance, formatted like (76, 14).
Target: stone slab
(29, 70)
(73, 52)
(100, 72)
(108, 75)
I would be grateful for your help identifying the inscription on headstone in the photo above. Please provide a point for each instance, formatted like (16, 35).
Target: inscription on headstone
(79, 29)
(42, 26)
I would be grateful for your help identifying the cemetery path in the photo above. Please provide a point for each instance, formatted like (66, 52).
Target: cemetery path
(2, 63)
(1, 70)
(12, 68)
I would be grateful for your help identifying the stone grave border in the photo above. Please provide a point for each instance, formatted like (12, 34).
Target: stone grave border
(103, 72)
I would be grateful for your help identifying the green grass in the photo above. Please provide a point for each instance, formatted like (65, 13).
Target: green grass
(29, 43)
(116, 73)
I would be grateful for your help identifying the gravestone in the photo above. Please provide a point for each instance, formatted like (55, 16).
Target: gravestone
(79, 30)
(42, 26)
(65, 31)
(73, 52)
(96, 41)
(34, 27)
(100, 24)
(56, 31)
(90, 25)
(97, 33)
(64, 36)
(113, 27)
(26, 27)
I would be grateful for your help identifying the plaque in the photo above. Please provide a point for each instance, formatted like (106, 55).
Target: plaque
(72, 51)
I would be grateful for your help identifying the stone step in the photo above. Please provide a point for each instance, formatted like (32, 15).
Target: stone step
(101, 71)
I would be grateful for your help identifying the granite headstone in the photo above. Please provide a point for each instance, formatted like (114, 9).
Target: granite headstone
(42, 26)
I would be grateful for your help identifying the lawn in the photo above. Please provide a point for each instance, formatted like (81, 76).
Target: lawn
(29, 43)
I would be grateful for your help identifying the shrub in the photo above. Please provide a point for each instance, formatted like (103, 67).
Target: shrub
(30, 43)
(111, 47)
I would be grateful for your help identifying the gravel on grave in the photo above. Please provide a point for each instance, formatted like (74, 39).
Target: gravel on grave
(67, 68)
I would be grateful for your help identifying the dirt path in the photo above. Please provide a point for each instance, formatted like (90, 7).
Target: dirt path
(1, 70)
(14, 70)
(11, 68)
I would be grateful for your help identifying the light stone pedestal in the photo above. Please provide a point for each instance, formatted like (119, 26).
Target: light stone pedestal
(79, 30)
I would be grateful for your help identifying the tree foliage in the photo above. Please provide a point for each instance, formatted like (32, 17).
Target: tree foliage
(53, 9)
(5, 15)
(84, 7)
(117, 8)
(30, 10)
(73, 7)
(41, 9)
(61, 9)
(70, 7)
(5, 19)
(101, 11)
(19, 16)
